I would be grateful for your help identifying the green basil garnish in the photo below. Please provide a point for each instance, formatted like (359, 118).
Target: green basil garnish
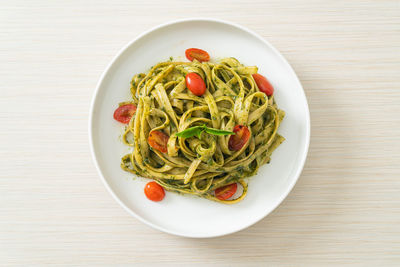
(197, 130)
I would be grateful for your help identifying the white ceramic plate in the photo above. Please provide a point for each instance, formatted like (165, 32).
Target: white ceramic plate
(186, 215)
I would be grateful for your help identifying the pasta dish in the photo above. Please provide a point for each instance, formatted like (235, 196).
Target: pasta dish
(199, 127)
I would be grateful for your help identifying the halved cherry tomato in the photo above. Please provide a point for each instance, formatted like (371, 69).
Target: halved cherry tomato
(237, 141)
(195, 84)
(154, 191)
(263, 84)
(124, 113)
(158, 140)
(195, 53)
(226, 191)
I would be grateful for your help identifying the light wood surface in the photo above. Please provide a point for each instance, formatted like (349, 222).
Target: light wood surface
(345, 208)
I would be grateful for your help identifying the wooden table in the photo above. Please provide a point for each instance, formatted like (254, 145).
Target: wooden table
(345, 208)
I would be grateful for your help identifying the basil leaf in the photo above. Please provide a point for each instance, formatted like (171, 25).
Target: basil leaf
(197, 130)
(199, 133)
(189, 132)
(217, 131)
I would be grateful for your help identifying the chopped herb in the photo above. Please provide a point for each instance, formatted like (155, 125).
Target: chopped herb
(239, 167)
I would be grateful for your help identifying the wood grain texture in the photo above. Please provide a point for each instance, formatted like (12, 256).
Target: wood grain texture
(344, 210)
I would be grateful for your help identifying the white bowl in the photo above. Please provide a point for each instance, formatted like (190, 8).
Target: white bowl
(186, 215)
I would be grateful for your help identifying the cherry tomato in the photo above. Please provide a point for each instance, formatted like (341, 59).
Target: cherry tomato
(226, 191)
(237, 141)
(124, 113)
(154, 191)
(195, 84)
(158, 140)
(263, 84)
(195, 53)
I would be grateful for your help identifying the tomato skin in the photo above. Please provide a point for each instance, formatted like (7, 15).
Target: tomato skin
(195, 53)
(263, 84)
(154, 191)
(158, 140)
(226, 191)
(195, 84)
(124, 113)
(237, 141)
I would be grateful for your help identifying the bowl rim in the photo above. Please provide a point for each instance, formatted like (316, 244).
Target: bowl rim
(116, 57)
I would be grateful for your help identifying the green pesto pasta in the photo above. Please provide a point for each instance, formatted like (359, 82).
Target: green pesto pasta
(198, 165)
